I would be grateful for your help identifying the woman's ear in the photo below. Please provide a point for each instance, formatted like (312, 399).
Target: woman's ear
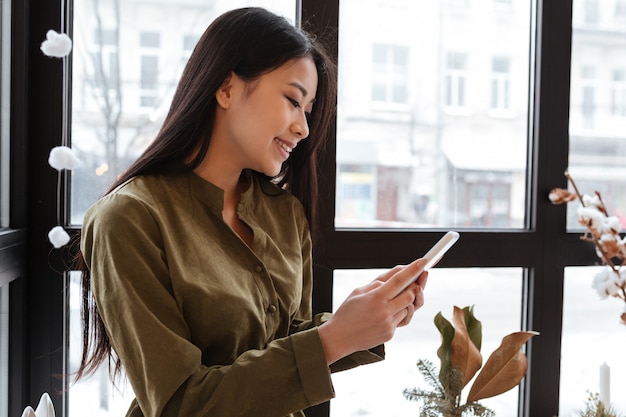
(225, 92)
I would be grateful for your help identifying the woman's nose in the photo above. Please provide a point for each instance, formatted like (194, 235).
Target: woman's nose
(300, 127)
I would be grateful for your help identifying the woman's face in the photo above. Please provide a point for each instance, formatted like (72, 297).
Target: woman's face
(266, 118)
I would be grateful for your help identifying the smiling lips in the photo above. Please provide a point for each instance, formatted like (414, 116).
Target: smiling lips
(284, 145)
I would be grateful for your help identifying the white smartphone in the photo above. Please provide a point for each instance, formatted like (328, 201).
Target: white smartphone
(436, 252)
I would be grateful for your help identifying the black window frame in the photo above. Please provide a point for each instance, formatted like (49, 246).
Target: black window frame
(544, 249)
(13, 238)
(36, 296)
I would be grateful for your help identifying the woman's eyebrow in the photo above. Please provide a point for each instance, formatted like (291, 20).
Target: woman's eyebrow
(302, 89)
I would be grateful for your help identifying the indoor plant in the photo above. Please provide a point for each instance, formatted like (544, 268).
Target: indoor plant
(460, 358)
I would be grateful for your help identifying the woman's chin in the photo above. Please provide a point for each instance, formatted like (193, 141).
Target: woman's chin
(272, 172)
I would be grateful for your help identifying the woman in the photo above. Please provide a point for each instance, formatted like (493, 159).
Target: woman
(199, 256)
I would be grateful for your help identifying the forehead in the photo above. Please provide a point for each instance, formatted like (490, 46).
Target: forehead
(300, 73)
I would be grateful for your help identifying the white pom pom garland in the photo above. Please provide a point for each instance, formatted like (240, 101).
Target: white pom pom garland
(62, 157)
(58, 237)
(56, 45)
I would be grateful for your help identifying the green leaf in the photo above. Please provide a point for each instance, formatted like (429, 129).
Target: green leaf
(504, 369)
(474, 327)
(447, 334)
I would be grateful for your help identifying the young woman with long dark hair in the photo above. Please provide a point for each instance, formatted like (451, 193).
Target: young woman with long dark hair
(197, 263)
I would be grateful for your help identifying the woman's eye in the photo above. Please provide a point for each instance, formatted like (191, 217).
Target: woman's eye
(296, 104)
(293, 102)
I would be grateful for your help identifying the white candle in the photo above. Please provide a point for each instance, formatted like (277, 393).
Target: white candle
(605, 384)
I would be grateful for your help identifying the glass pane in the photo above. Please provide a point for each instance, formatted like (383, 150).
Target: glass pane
(376, 390)
(126, 64)
(592, 335)
(94, 396)
(434, 111)
(598, 104)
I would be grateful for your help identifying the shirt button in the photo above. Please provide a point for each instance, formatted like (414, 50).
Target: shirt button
(271, 308)
(258, 268)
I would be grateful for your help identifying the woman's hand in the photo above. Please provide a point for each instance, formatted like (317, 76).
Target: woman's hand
(371, 314)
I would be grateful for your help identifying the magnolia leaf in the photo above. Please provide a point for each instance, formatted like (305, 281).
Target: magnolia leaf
(504, 369)
(447, 334)
(464, 354)
(474, 327)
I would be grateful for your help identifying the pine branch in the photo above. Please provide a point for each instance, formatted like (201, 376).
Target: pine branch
(478, 410)
(417, 394)
(431, 375)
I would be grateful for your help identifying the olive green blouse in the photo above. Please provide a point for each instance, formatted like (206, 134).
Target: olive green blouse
(203, 324)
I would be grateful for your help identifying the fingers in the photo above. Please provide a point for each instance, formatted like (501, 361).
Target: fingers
(384, 277)
(422, 279)
(401, 277)
(403, 287)
(368, 287)
(418, 302)
(406, 315)
(415, 297)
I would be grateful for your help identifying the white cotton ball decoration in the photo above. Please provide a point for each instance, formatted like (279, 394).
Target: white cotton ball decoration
(57, 45)
(62, 157)
(58, 237)
(612, 224)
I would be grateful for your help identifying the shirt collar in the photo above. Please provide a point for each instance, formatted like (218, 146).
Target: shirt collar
(213, 196)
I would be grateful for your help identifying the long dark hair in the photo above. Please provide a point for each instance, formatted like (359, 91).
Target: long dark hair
(249, 42)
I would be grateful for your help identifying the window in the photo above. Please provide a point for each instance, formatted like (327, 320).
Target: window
(592, 11)
(588, 107)
(434, 165)
(596, 155)
(356, 392)
(531, 261)
(149, 67)
(111, 127)
(455, 79)
(150, 40)
(590, 332)
(189, 42)
(110, 130)
(500, 84)
(445, 163)
(618, 93)
(105, 59)
(390, 74)
(149, 80)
